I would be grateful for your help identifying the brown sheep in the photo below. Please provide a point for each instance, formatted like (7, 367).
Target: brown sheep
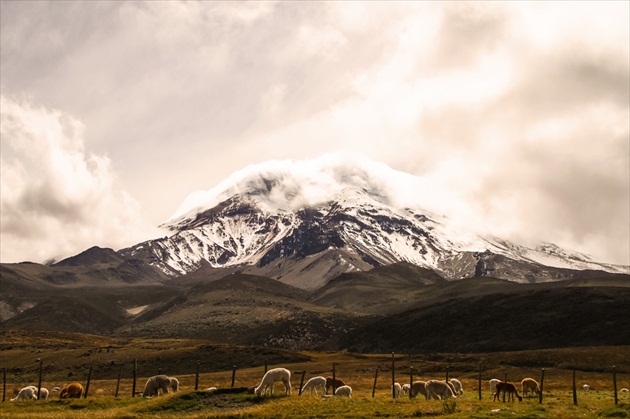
(333, 383)
(71, 391)
(508, 388)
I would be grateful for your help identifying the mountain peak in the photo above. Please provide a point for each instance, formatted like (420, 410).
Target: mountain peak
(304, 222)
(290, 185)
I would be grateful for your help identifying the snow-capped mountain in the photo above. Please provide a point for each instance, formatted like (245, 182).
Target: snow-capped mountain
(305, 223)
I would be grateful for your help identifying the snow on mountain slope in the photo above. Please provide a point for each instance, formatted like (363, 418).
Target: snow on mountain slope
(306, 222)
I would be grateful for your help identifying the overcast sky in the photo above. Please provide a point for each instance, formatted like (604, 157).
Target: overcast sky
(114, 112)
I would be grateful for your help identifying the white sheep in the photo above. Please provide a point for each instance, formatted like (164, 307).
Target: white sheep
(529, 385)
(43, 393)
(586, 387)
(396, 390)
(313, 383)
(457, 385)
(26, 393)
(624, 390)
(418, 387)
(174, 384)
(344, 391)
(405, 388)
(270, 377)
(438, 390)
(211, 389)
(493, 384)
(156, 383)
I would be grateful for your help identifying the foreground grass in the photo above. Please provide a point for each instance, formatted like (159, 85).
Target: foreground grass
(197, 405)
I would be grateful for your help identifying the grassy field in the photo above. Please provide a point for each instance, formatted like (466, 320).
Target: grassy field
(67, 357)
(358, 371)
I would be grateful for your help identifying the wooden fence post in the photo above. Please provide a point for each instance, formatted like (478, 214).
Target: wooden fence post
(334, 384)
(87, 385)
(542, 383)
(135, 377)
(233, 375)
(479, 378)
(373, 387)
(39, 382)
(301, 383)
(410, 379)
(118, 381)
(447, 368)
(615, 385)
(4, 384)
(575, 401)
(197, 376)
(505, 381)
(265, 366)
(393, 375)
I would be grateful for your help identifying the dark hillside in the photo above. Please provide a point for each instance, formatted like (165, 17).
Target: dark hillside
(533, 319)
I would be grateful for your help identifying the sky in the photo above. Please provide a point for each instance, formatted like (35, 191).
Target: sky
(114, 113)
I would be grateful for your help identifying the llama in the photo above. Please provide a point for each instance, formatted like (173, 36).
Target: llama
(270, 377)
(43, 393)
(174, 384)
(26, 393)
(344, 391)
(493, 384)
(396, 390)
(405, 388)
(508, 388)
(457, 385)
(71, 391)
(333, 383)
(313, 383)
(529, 385)
(438, 390)
(418, 387)
(155, 383)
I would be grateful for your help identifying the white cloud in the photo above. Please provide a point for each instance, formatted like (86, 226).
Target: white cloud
(511, 106)
(57, 199)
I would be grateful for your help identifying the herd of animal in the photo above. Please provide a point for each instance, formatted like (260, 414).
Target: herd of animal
(431, 389)
(70, 391)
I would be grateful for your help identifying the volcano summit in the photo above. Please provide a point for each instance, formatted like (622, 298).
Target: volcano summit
(304, 223)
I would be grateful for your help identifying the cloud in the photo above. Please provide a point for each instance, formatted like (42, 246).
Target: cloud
(512, 107)
(57, 199)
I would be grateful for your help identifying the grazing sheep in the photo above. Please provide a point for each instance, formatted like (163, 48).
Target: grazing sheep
(493, 384)
(439, 390)
(270, 377)
(396, 390)
(586, 387)
(55, 389)
(448, 383)
(333, 383)
(529, 385)
(26, 393)
(313, 383)
(211, 389)
(457, 385)
(71, 391)
(174, 384)
(344, 391)
(155, 383)
(43, 393)
(508, 388)
(405, 388)
(418, 387)
(624, 390)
